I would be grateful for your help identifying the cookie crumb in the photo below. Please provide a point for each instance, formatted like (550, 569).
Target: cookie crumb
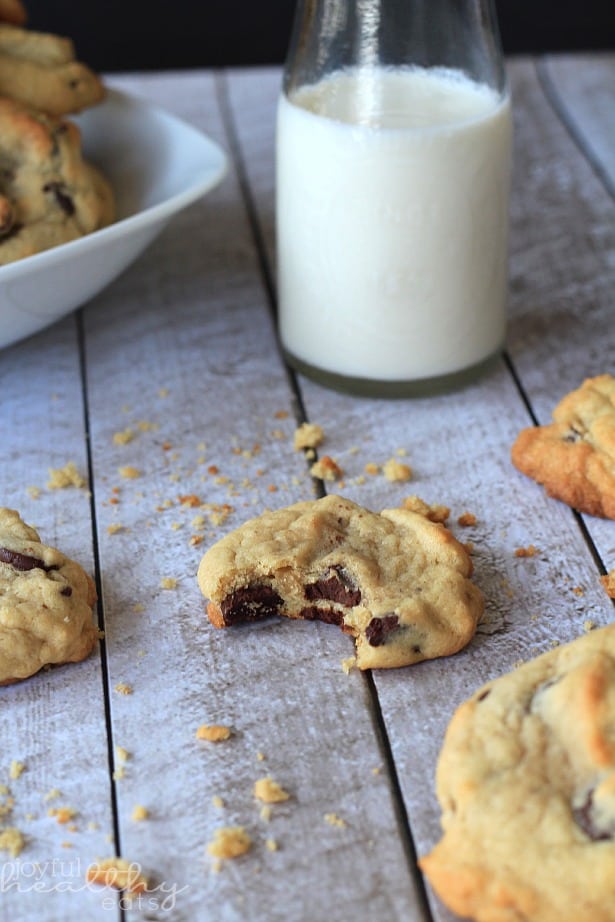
(191, 499)
(529, 551)
(168, 582)
(588, 626)
(308, 435)
(217, 801)
(326, 469)
(67, 476)
(608, 583)
(16, 769)
(123, 438)
(271, 845)
(213, 733)
(265, 813)
(62, 814)
(349, 664)
(334, 820)
(123, 689)
(269, 791)
(12, 841)
(139, 813)
(114, 528)
(435, 512)
(466, 520)
(118, 873)
(229, 842)
(396, 472)
(129, 472)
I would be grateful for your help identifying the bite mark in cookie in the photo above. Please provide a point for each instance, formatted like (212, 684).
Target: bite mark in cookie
(574, 456)
(526, 783)
(398, 583)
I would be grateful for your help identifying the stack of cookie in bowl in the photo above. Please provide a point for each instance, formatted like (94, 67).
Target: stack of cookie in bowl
(48, 193)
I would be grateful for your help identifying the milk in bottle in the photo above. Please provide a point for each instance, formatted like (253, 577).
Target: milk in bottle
(392, 199)
(393, 171)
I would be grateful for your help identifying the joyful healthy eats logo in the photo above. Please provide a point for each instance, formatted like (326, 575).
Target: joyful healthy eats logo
(71, 876)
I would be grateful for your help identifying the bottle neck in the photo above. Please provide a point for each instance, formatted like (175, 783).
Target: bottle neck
(333, 35)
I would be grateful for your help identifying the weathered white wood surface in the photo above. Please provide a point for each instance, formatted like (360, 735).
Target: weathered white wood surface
(181, 351)
(560, 332)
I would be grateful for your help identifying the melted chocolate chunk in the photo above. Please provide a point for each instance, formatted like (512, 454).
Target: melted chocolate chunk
(337, 586)
(378, 629)
(12, 232)
(250, 603)
(22, 561)
(327, 615)
(67, 591)
(585, 821)
(61, 196)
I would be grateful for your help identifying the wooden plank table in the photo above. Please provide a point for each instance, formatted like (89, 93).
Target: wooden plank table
(181, 351)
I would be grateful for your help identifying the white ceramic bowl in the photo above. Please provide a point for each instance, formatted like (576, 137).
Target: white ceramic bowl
(157, 165)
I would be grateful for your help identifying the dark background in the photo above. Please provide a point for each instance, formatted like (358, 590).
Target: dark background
(150, 34)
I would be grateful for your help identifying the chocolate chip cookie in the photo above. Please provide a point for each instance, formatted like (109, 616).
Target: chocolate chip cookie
(13, 11)
(398, 583)
(574, 456)
(48, 194)
(46, 603)
(39, 70)
(526, 783)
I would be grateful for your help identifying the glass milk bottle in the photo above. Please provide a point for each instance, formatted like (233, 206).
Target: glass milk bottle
(393, 173)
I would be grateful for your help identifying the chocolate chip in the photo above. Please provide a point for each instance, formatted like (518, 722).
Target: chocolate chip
(63, 199)
(22, 561)
(378, 628)
(585, 821)
(336, 586)
(67, 591)
(327, 615)
(484, 694)
(250, 603)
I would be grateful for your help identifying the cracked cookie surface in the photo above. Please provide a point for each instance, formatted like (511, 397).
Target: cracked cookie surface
(526, 783)
(46, 602)
(574, 456)
(398, 583)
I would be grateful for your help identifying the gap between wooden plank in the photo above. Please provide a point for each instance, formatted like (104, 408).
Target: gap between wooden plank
(104, 671)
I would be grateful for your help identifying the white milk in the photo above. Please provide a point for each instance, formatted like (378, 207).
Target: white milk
(392, 215)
